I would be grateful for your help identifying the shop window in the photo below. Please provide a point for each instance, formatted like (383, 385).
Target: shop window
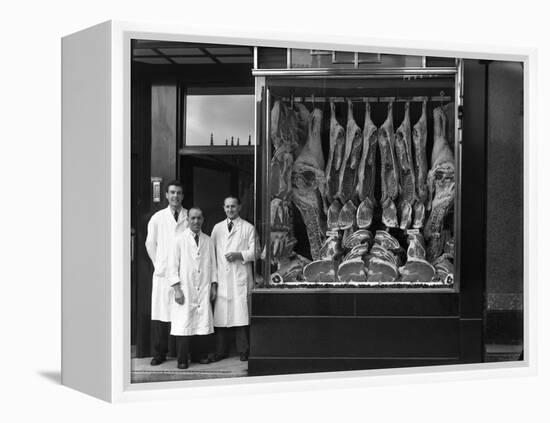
(219, 119)
(361, 181)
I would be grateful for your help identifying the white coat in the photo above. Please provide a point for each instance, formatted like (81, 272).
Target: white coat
(235, 279)
(162, 232)
(194, 267)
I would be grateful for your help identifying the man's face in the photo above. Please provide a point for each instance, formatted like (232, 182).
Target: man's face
(174, 195)
(196, 220)
(232, 208)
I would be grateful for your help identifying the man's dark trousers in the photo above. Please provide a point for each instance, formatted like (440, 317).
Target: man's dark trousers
(160, 332)
(183, 347)
(223, 337)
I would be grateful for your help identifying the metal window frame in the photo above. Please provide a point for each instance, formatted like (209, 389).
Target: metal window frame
(404, 73)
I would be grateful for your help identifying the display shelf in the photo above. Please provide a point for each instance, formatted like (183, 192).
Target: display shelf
(366, 285)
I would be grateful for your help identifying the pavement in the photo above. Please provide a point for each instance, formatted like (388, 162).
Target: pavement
(503, 352)
(142, 371)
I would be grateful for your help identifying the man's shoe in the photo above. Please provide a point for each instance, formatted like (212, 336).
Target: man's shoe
(204, 360)
(218, 357)
(244, 357)
(157, 360)
(182, 366)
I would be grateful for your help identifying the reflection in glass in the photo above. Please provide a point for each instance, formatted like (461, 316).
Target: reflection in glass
(213, 119)
(362, 188)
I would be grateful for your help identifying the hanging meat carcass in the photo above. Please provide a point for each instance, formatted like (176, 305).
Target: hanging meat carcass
(283, 126)
(437, 244)
(366, 174)
(389, 176)
(405, 168)
(324, 269)
(449, 248)
(347, 216)
(348, 168)
(284, 138)
(333, 215)
(416, 248)
(302, 115)
(441, 186)
(308, 184)
(331, 249)
(290, 269)
(416, 269)
(449, 110)
(420, 136)
(337, 138)
(282, 238)
(336, 154)
(445, 269)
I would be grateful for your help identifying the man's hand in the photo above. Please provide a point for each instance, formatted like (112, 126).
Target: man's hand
(231, 257)
(213, 292)
(179, 297)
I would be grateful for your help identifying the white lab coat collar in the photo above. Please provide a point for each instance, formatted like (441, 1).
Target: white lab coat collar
(190, 233)
(236, 225)
(191, 239)
(181, 216)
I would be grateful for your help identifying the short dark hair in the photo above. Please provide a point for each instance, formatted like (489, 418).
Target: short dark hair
(195, 208)
(234, 197)
(174, 183)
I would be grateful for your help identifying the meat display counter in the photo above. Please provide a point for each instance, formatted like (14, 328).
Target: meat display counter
(361, 166)
(359, 211)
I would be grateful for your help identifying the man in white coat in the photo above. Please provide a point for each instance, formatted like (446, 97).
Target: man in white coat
(235, 242)
(163, 229)
(192, 275)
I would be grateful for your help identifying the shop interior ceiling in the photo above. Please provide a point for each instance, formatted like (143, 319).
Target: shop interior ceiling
(166, 52)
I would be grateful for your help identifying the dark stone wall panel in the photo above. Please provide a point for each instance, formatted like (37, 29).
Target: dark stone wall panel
(505, 178)
(355, 337)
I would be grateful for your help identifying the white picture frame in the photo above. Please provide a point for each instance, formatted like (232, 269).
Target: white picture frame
(96, 187)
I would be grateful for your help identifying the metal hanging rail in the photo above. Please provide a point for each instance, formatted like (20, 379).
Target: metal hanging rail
(405, 73)
(312, 99)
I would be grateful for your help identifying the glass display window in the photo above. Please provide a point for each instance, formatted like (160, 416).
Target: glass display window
(361, 181)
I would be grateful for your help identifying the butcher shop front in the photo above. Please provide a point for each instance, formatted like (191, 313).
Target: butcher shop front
(385, 190)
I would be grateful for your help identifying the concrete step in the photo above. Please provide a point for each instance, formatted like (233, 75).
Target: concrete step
(142, 371)
(502, 352)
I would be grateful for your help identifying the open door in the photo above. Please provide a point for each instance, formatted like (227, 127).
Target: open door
(209, 178)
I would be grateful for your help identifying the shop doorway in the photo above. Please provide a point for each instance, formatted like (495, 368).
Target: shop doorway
(193, 109)
(210, 177)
